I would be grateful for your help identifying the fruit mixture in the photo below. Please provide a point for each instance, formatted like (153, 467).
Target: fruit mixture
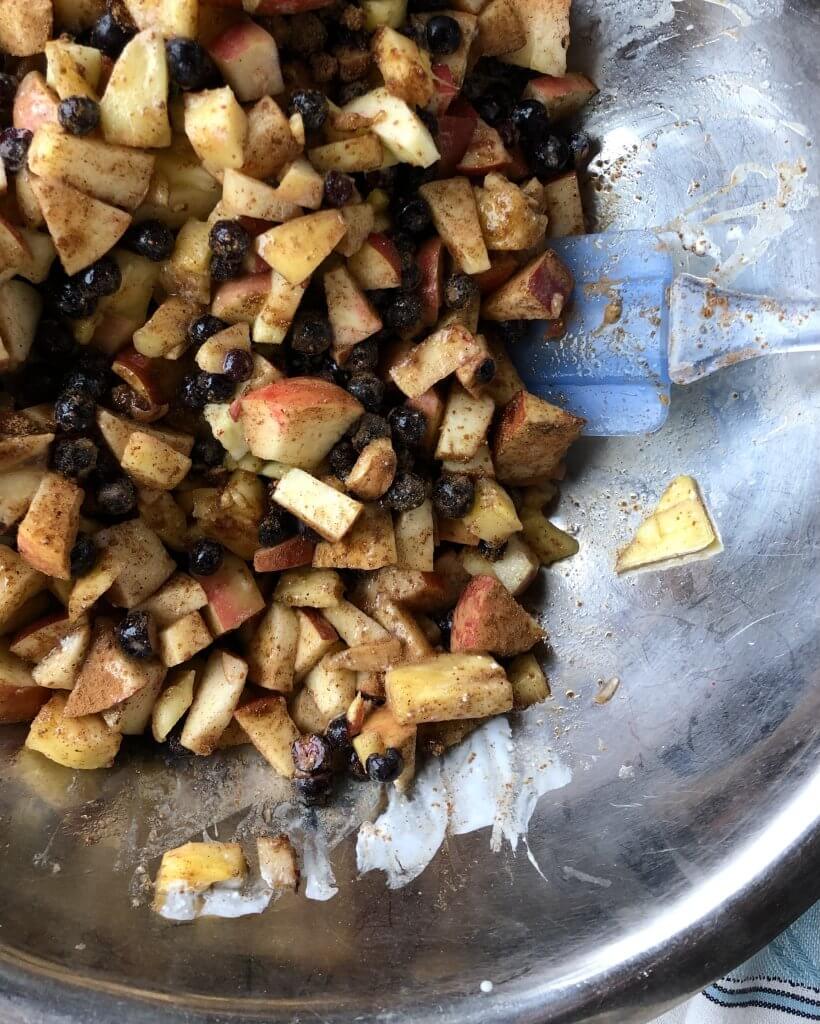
(269, 475)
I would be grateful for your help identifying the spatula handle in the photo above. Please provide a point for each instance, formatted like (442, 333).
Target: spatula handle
(711, 328)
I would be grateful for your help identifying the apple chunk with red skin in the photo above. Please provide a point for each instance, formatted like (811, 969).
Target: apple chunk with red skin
(248, 58)
(47, 533)
(562, 96)
(351, 315)
(298, 420)
(377, 264)
(34, 103)
(488, 618)
(430, 261)
(290, 554)
(233, 596)
(531, 439)
(485, 152)
(538, 292)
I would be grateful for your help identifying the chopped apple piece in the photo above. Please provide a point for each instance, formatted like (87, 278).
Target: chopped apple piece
(134, 107)
(500, 28)
(322, 507)
(169, 17)
(24, 451)
(457, 62)
(108, 675)
(290, 554)
(455, 215)
(172, 703)
(548, 542)
(404, 67)
(493, 517)
(430, 261)
(14, 672)
(211, 354)
(361, 153)
(465, 424)
(73, 70)
(299, 183)
(373, 471)
(34, 103)
(529, 684)
(562, 95)
(354, 626)
(369, 657)
(332, 689)
(507, 219)
(506, 383)
(217, 696)
(360, 219)
(297, 421)
(242, 300)
(488, 618)
(679, 526)
(317, 637)
(187, 272)
(244, 196)
(382, 730)
(546, 24)
(376, 264)
(59, 668)
(297, 248)
(538, 292)
(217, 128)
(143, 563)
(277, 863)
(485, 153)
(117, 430)
(481, 464)
(19, 704)
(46, 535)
(351, 314)
(180, 596)
(165, 335)
(83, 229)
(434, 359)
(415, 538)
(17, 488)
(184, 638)
(89, 588)
(368, 544)
(131, 716)
(401, 130)
(269, 143)
(531, 439)
(272, 654)
(309, 588)
(196, 867)
(516, 569)
(271, 730)
(233, 596)
(248, 58)
(447, 687)
(562, 198)
(152, 463)
(84, 743)
(25, 26)
(278, 310)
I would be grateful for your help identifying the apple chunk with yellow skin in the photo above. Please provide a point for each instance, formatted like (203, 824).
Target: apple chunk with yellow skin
(538, 292)
(271, 730)
(447, 687)
(134, 106)
(296, 249)
(83, 742)
(455, 216)
(488, 618)
(219, 691)
(298, 420)
(248, 58)
(46, 535)
(531, 439)
(217, 128)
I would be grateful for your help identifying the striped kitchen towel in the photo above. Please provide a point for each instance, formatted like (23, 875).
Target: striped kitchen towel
(780, 984)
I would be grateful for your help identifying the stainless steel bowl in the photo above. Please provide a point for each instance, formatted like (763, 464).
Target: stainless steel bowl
(690, 833)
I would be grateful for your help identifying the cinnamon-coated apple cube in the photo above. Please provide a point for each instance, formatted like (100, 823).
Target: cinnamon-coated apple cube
(218, 693)
(152, 463)
(373, 471)
(352, 316)
(233, 596)
(508, 222)
(562, 95)
(401, 130)
(37, 265)
(531, 439)
(74, 742)
(17, 488)
(187, 271)
(83, 229)
(13, 248)
(73, 70)
(25, 451)
(507, 382)
(46, 535)
(361, 153)
(271, 730)
(278, 310)
(485, 152)
(549, 543)
(399, 622)
(297, 248)
(299, 183)
(165, 334)
(19, 704)
(455, 216)
(195, 868)
(134, 106)
(117, 430)
(168, 17)
(172, 703)
(538, 292)
(493, 517)
(144, 564)
(184, 638)
(415, 538)
(248, 58)
(354, 626)
(289, 554)
(562, 198)
(434, 359)
(272, 652)
(108, 675)
(217, 128)
(359, 219)
(269, 143)
(322, 507)
(316, 638)
(131, 716)
(447, 687)
(244, 196)
(278, 865)
(332, 689)
(368, 544)
(500, 28)
(309, 588)
(180, 596)
(90, 588)
(368, 657)
(35, 103)
(488, 618)
(464, 427)
(25, 26)
(297, 421)
(403, 66)
(14, 672)
(546, 24)
(20, 308)
(430, 261)
(59, 668)
(529, 684)
(242, 300)
(35, 641)
(515, 569)
(376, 264)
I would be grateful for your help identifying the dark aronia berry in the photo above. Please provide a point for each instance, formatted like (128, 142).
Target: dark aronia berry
(54, 340)
(238, 365)
(136, 635)
(580, 148)
(550, 155)
(205, 557)
(117, 497)
(74, 411)
(364, 356)
(191, 393)
(312, 105)
(314, 790)
(492, 552)
(531, 120)
(311, 754)
(341, 459)
(14, 143)
(414, 216)
(369, 428)
(403, 311)
(151, 239)
(453, 495)
(204, 327)
(338, 733)
(83, 555)
(459, 291)
(368, 389)
(103, 277)
(225, 269)
(229, 240)
(386, 767)
(190, 64)
(207, 452)
(216, 387)
(311, 334)
(405, 493)
(79, 115)
(110, 35)
(485, 371)
(443, 35)
(73, 299)
(408, 425)
(276, 527)
(338, 188)
(74, 458)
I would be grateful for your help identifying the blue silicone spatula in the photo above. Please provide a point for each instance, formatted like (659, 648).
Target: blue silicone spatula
(634, 329)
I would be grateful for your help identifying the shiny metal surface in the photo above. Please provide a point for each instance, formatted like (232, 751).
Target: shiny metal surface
(690, 832)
